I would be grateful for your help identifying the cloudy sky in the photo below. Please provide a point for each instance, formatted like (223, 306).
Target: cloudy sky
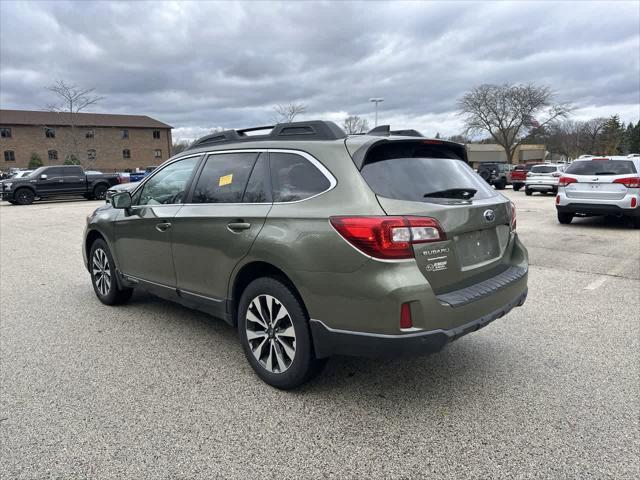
(203, 65)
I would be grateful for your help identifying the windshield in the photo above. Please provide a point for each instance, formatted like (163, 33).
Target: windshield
(602, 167)
(423, 179)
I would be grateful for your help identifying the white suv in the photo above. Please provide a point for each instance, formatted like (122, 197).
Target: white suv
(543, 178)
(600, 186)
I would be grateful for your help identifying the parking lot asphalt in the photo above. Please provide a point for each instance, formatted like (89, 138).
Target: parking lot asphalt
(154, 390)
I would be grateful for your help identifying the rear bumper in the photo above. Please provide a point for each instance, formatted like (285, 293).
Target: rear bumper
(598, 209)
(541, 186)
(328, 341)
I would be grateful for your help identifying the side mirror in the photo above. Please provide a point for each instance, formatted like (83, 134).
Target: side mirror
(43, 177)
(121, 200)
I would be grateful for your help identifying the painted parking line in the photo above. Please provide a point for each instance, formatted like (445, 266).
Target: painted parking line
(614, 272)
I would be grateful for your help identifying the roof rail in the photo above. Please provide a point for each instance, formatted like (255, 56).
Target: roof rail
(309, 130)
(385, 131)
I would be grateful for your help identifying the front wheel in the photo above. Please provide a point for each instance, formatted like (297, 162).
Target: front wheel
(24, 196)
(103, 276)
(274, 332)
(517, 186)
(528, 192)
(565, 218)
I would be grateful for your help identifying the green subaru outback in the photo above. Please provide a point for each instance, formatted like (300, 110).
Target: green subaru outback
(313, 243)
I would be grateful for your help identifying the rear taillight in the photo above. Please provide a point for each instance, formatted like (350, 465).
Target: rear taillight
(388, 238)
(629, 182)
(513, 216)
(564, 181)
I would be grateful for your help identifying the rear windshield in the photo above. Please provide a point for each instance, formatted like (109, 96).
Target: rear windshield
(543, 169)
(425, 179)
(602, 167)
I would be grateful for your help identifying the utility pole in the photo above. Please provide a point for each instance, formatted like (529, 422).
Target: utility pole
(376, 101)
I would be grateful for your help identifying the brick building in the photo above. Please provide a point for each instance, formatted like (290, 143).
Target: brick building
(99, 141)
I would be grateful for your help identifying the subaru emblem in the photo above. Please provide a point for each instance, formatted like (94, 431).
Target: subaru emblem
(489, 215)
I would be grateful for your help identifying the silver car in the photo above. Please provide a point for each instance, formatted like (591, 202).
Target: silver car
(543, 178)
(600, 186)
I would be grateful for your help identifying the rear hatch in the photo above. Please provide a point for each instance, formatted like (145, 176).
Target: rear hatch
(476, 220)
(598, 179)
(543, 174)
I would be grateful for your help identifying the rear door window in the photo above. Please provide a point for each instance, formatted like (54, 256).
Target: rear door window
(224, 178)
(425, 179)
(602, 167)
(295, 178)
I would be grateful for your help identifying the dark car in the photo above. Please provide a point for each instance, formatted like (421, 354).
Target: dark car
(496, 174)
(57, 181)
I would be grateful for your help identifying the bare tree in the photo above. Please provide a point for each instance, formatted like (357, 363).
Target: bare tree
(179, 146)
(459, 138)
(72, 100)
(354, 124)
(286, 113)
(590, 135)
(508, 112)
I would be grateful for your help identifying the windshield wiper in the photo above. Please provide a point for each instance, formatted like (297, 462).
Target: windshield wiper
(462, 193)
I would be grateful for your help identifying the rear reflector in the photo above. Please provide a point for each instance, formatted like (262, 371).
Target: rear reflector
(634, 202)
(388, 238)
(564, 181)
(405, 316)
(629, 182)
(557, 199)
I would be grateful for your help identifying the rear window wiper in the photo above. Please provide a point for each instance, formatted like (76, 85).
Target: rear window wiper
(606, 173)
(462, 193)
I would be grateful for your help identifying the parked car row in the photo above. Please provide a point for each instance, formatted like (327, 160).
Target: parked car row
(56, 181)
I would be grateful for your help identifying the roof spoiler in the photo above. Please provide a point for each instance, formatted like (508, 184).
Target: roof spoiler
(385, 131)
(309, 130)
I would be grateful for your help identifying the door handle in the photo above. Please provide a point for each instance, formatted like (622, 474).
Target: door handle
(238, 226)
(162, 227)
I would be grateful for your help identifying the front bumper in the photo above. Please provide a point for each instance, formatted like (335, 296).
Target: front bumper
(6, 195)
(328, 341)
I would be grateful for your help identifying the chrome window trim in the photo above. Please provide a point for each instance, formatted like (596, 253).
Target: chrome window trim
(311, 159)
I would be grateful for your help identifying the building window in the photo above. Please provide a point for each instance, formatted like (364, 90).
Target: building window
(53, 155)
(6, 133)
(90, 134)
(91, 155)
(157, 153)
(49, 133)
(125, 134)
(9, 156)
(156, 134)
(126, 153)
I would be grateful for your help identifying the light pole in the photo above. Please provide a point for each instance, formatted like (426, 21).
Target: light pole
(376, 101)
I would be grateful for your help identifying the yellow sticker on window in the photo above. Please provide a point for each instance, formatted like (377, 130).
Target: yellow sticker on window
(226, 180)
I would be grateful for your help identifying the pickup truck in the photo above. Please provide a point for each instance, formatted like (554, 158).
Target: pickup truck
(56, 181)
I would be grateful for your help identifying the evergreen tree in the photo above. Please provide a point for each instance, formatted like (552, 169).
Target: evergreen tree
(613, 136)
(34, 162)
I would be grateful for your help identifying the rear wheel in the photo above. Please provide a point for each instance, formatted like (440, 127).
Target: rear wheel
(103, 276)
(99, 192)
(500, 184)
(635, 222)
(274, 332)
(24, 196)
(527, 192)
(517, 186)
(565, 218)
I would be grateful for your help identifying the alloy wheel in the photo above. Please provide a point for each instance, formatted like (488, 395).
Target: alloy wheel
(101, 271)
(270, 333)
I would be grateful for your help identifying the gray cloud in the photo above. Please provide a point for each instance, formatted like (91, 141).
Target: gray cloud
(202, 65)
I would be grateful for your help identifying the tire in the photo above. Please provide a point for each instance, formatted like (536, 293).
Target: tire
(12, 202)
(565, 218)
(99, 192)
(635, 222)
(500, 185)
(283, 360)
(517, 186)
(24, 196)
(527, 192)
(103, 275)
